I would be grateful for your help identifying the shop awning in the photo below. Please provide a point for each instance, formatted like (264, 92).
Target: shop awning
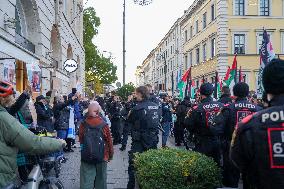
(16, 51)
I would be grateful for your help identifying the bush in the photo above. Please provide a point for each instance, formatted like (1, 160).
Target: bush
(176, 169)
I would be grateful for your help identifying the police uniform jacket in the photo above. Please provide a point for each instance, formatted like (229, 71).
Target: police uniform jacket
(231, 114)
(202, 117)
(144, 118)
(258, 147)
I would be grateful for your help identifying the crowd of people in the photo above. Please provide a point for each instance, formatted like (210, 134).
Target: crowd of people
(244, 135)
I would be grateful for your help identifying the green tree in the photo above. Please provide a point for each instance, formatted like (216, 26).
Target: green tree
(97, 67)
(125, 90)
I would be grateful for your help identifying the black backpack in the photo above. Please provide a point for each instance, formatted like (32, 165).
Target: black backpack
(93, 144)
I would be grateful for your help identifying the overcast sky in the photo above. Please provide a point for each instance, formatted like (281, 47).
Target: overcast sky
(146, 26)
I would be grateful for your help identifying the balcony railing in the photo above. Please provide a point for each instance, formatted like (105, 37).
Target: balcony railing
(22, 41)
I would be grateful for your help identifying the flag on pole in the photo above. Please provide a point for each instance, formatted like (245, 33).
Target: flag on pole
(266, 55)
(188, 82)
(230, 82)
(227, 74)
(192, 88)
(240, 75)
(217, 86)
(182, 83)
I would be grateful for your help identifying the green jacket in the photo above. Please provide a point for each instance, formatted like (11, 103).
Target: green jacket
(14, 137)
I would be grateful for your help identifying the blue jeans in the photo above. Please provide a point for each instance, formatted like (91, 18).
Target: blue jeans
(167, 127)
(62, 134)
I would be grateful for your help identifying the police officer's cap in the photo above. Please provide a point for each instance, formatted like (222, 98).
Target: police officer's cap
(273, 77)
(241, 89)
(206, 89)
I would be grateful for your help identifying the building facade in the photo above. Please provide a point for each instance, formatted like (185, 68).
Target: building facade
(36, 38)
(211, 32)
(215, 30)
(164, 63)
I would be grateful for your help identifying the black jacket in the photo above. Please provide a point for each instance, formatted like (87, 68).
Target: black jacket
(44, 116)
(181, 111)
(166, 112)
(225, 99)
(61, 115)
(202, 117)
(231, 114)
(115, 110)
(145, 120)
(18, 104)
(257, 147)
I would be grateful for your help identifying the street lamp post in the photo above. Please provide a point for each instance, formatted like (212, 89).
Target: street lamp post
(139, 2)
(124, 50)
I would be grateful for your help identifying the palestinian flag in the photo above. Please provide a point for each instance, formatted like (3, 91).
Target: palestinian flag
(227, 74)
(183, 83)
(192, 89)
(218, 87)
(230, 79)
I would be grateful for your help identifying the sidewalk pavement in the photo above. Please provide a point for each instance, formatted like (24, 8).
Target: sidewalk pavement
(117, 168)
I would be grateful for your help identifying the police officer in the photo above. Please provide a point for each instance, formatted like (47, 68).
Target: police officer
(226, 121)
(144, 118)
(115, 118)
(129, 105)
(201, 120)
(257, 146)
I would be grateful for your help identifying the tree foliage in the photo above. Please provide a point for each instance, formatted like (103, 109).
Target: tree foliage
(97, 67)
(125, 90)
(94, 87)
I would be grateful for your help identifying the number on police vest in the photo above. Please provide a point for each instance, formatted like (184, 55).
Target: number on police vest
(276, 147)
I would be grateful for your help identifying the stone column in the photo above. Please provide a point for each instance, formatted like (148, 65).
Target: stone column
(222, 36)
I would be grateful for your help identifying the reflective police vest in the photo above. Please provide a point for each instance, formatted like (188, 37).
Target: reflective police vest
(238, 111)
(208, 111)
(211, 110)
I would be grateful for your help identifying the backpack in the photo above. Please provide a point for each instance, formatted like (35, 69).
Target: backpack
(93, 144)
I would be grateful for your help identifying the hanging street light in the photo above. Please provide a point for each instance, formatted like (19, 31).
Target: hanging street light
(143, 2)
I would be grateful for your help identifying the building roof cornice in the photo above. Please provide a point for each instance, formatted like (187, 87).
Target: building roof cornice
(191, 10)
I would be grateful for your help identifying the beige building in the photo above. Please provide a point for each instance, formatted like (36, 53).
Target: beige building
(164, 63)
(214, 30)
(208, 35)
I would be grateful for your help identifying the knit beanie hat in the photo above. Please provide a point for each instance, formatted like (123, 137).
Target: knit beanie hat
(206, 89)
(241, 90)
(273, 77)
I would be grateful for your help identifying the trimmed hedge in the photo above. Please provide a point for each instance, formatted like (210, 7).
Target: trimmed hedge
(176, 169)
